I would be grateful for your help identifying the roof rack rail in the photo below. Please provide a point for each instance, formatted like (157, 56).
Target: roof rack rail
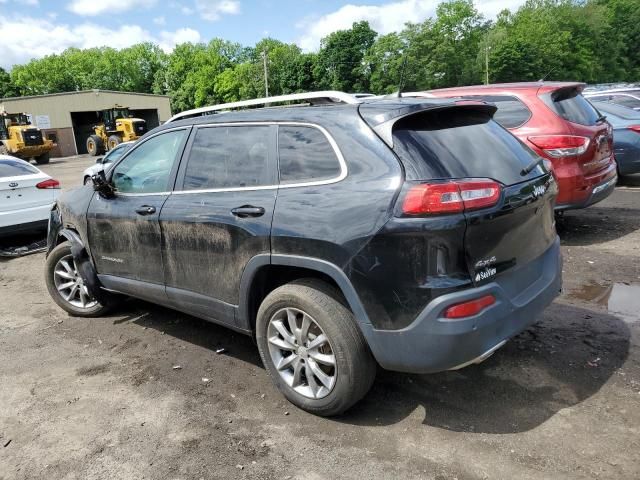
(324, 97)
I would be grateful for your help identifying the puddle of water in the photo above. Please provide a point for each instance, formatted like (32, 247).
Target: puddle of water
(619, 298)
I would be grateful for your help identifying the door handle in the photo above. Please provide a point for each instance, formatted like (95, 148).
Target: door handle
(248, 211)
(146, 210)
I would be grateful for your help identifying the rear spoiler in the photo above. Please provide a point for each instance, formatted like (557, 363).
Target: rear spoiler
(382, 119)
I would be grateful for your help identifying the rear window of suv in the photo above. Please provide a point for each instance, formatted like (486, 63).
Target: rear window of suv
(572, 106)
(512, 113)
(460, 143)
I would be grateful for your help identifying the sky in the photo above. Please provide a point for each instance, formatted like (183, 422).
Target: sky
(35, 28)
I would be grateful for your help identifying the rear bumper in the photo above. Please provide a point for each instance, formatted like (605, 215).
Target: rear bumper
(432, 344)
(598, 193)
(40, 225)
(13, 219)
(578, 190)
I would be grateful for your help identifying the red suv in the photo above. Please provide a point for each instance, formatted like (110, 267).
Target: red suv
(555, 120)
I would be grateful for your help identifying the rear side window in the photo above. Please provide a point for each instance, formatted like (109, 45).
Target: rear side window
(512, 113)
(460, 143)
(13, 168)
(572, 106)
(305, 155)
(230, 157)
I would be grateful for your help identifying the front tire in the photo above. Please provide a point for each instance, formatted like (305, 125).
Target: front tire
(113, 141)
(94, 145)
(312, 348)
(66, 286)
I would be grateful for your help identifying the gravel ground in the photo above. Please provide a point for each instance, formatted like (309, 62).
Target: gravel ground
(85, 399)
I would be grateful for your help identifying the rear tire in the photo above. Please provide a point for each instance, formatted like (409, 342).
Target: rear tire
(341, 368)
(61, 277)
(113, 141)
(43, 159)
(94, 145)
(4, 150)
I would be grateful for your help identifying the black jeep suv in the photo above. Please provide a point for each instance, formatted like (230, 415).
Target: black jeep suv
(414, 234)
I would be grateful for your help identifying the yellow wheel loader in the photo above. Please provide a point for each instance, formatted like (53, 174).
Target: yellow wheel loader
(116, 126)
(20, 139)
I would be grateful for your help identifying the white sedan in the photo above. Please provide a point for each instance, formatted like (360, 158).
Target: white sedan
(26, 196)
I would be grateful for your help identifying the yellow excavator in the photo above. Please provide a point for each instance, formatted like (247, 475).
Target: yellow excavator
(20, 139)
(116, 125)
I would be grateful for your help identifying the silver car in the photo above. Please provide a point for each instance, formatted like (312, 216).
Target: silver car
(103, 163)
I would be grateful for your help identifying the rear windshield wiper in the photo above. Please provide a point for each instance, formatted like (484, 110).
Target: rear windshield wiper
(601, 118)
(529, 168)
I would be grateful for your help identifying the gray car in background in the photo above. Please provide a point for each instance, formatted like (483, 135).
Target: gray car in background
(626, 135)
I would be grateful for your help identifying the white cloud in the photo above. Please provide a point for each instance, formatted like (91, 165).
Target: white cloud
(386, 18)
(212, 10)
(159, 20)
(183, 35)
(46, 37)
(92, 8)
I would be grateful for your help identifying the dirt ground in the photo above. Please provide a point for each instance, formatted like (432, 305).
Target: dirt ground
(102, 399)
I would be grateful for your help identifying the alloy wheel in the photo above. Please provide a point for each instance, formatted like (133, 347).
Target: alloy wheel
(301, 353)
(70, 285)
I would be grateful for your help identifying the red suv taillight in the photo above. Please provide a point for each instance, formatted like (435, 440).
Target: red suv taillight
(561, 145)
(51, 183)
(450, 197)
(635, 128)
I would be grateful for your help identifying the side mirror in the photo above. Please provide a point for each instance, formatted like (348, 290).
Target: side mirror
(99, 159)
(101, 185)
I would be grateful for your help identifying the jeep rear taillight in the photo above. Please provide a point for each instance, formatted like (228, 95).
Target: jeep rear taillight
(450, 197)
(561, 145)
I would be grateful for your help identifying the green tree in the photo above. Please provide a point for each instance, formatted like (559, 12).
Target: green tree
(7, 88)
(340, 62)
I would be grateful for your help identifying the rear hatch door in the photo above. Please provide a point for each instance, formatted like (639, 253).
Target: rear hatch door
(585, 121)
(465, 143)
(18, 189)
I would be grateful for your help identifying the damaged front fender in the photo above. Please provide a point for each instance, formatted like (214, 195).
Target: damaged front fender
(84, 265)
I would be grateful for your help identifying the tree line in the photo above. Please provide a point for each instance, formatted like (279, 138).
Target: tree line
(593, 41)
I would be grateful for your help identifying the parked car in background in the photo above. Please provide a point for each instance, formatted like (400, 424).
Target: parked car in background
(626, 135)
(555, 120)
(26, 196)
(627, 97)
(418, 234)
(104, 163)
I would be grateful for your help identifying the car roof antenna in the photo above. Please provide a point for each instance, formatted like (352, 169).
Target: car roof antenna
(398, 94)
(547, 75)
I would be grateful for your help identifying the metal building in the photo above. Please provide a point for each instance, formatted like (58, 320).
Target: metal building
(68, 118)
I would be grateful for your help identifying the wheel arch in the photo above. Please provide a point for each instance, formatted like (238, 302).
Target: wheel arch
(264, 273)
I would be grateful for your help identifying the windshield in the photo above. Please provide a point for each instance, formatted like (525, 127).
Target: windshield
(15, 168)
(458, 143)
